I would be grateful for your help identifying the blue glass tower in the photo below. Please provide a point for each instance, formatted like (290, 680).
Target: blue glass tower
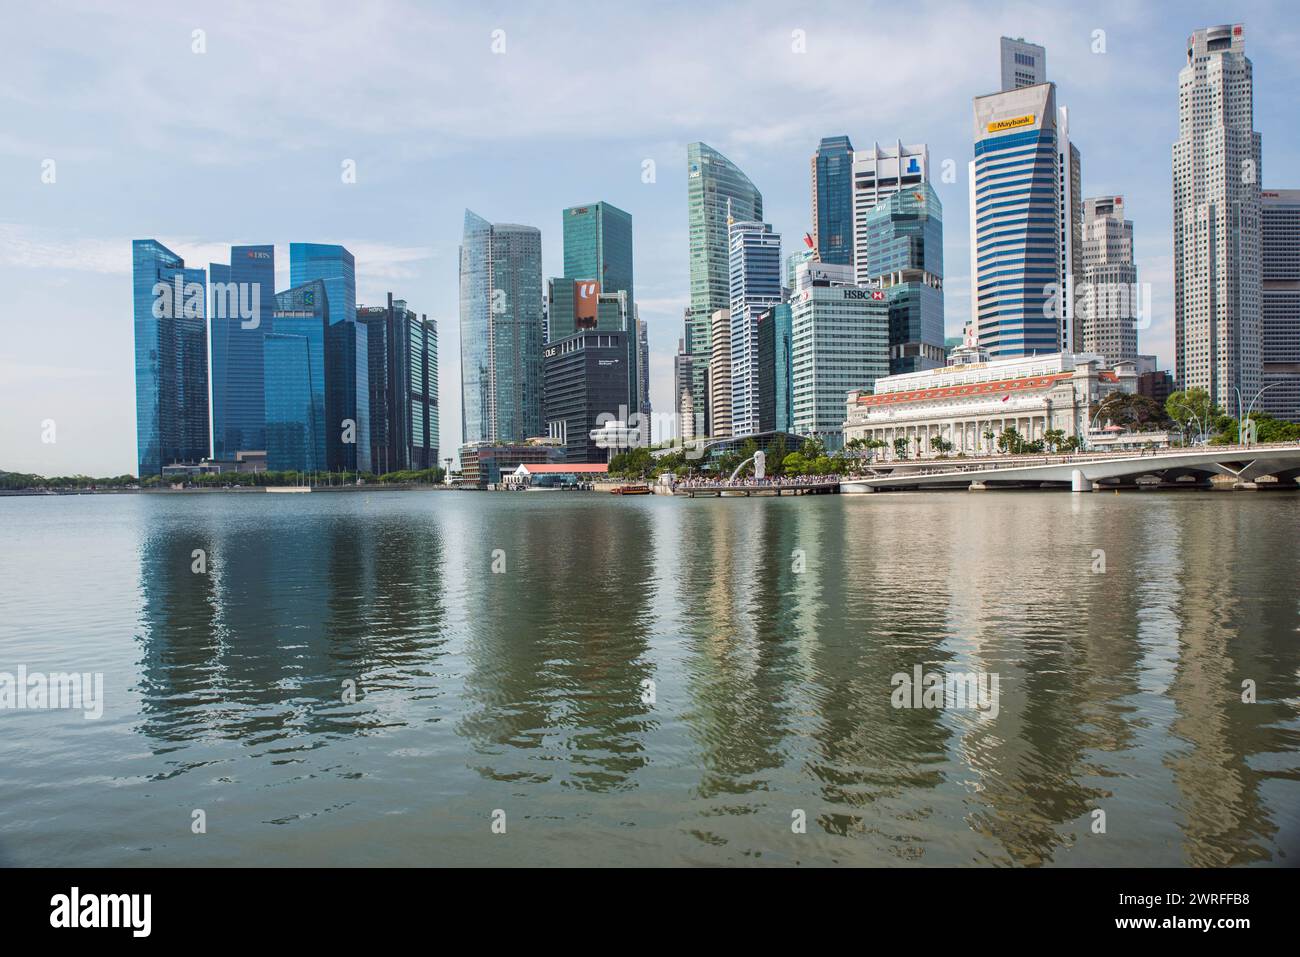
(905, 257)
(1015, 237)
(171, 368)
(334, 266)
(243, 299)
(346, 354)
(294, 379)
(832, 188)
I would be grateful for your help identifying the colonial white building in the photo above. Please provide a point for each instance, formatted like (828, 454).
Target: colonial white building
(965, 401)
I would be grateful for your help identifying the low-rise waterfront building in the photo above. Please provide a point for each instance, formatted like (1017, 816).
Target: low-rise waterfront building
(974, 397)
(555, 475)
(483, 464)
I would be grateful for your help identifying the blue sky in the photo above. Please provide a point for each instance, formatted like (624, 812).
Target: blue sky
(245, 142)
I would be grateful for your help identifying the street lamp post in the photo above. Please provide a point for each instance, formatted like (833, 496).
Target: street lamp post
(1241, 420)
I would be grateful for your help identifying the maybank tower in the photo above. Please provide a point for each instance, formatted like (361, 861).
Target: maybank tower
(1025, 201)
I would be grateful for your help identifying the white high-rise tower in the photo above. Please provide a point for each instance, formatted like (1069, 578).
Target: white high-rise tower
(1217, 265)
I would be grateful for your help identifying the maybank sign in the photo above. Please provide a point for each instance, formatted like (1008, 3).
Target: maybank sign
(1015, 122)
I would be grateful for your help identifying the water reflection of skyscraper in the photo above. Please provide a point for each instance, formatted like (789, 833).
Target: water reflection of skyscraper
(557, 645)
(288, 610)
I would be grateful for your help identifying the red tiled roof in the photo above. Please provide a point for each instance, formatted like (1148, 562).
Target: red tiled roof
(978, 388)
(563, 469)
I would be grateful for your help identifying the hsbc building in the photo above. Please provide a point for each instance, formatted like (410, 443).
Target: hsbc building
(839, 342)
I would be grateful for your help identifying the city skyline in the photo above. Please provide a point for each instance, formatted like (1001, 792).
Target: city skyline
(69, 240)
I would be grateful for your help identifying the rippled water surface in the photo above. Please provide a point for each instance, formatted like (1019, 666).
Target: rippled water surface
(765, 631)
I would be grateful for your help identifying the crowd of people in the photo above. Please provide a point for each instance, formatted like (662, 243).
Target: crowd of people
(769, 481)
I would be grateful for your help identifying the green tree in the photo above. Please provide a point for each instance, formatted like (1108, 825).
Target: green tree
(1190, 410)
(1011, 441)
(794, 465)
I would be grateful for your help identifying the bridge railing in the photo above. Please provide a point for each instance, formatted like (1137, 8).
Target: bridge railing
(934, 466)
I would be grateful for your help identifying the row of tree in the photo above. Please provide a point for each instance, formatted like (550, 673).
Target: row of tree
(23, 481)
(810, 458)
(1200, 420)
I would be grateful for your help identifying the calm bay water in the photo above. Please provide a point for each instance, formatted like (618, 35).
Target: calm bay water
(523, 691)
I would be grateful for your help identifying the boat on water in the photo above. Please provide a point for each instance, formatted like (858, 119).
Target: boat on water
(631, 490)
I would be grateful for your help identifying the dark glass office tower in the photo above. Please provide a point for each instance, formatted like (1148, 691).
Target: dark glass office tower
(346, 361)
(403, 387)
(501, 319)
(171, 358)
(775, 394)
(832, 208)
(596, 289)
(586, 377)
(294, 379)
(243, 298)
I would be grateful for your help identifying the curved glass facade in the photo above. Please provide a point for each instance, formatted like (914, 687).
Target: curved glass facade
(716, 191)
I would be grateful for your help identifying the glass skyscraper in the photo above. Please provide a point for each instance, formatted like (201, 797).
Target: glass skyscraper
(294, 379)
(905, 258)
(755, 287)
(832, 208)
(171, 359)
(1280, 304)
(839, 335)
(243, 298)
(598, 245)
(501, 318)
(334, 266)
(1016, 223)
(775, 408)
(403, 385)
(717, 192)
(346, 360)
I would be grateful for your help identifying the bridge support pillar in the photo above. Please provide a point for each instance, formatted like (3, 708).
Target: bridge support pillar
(1078, 483)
